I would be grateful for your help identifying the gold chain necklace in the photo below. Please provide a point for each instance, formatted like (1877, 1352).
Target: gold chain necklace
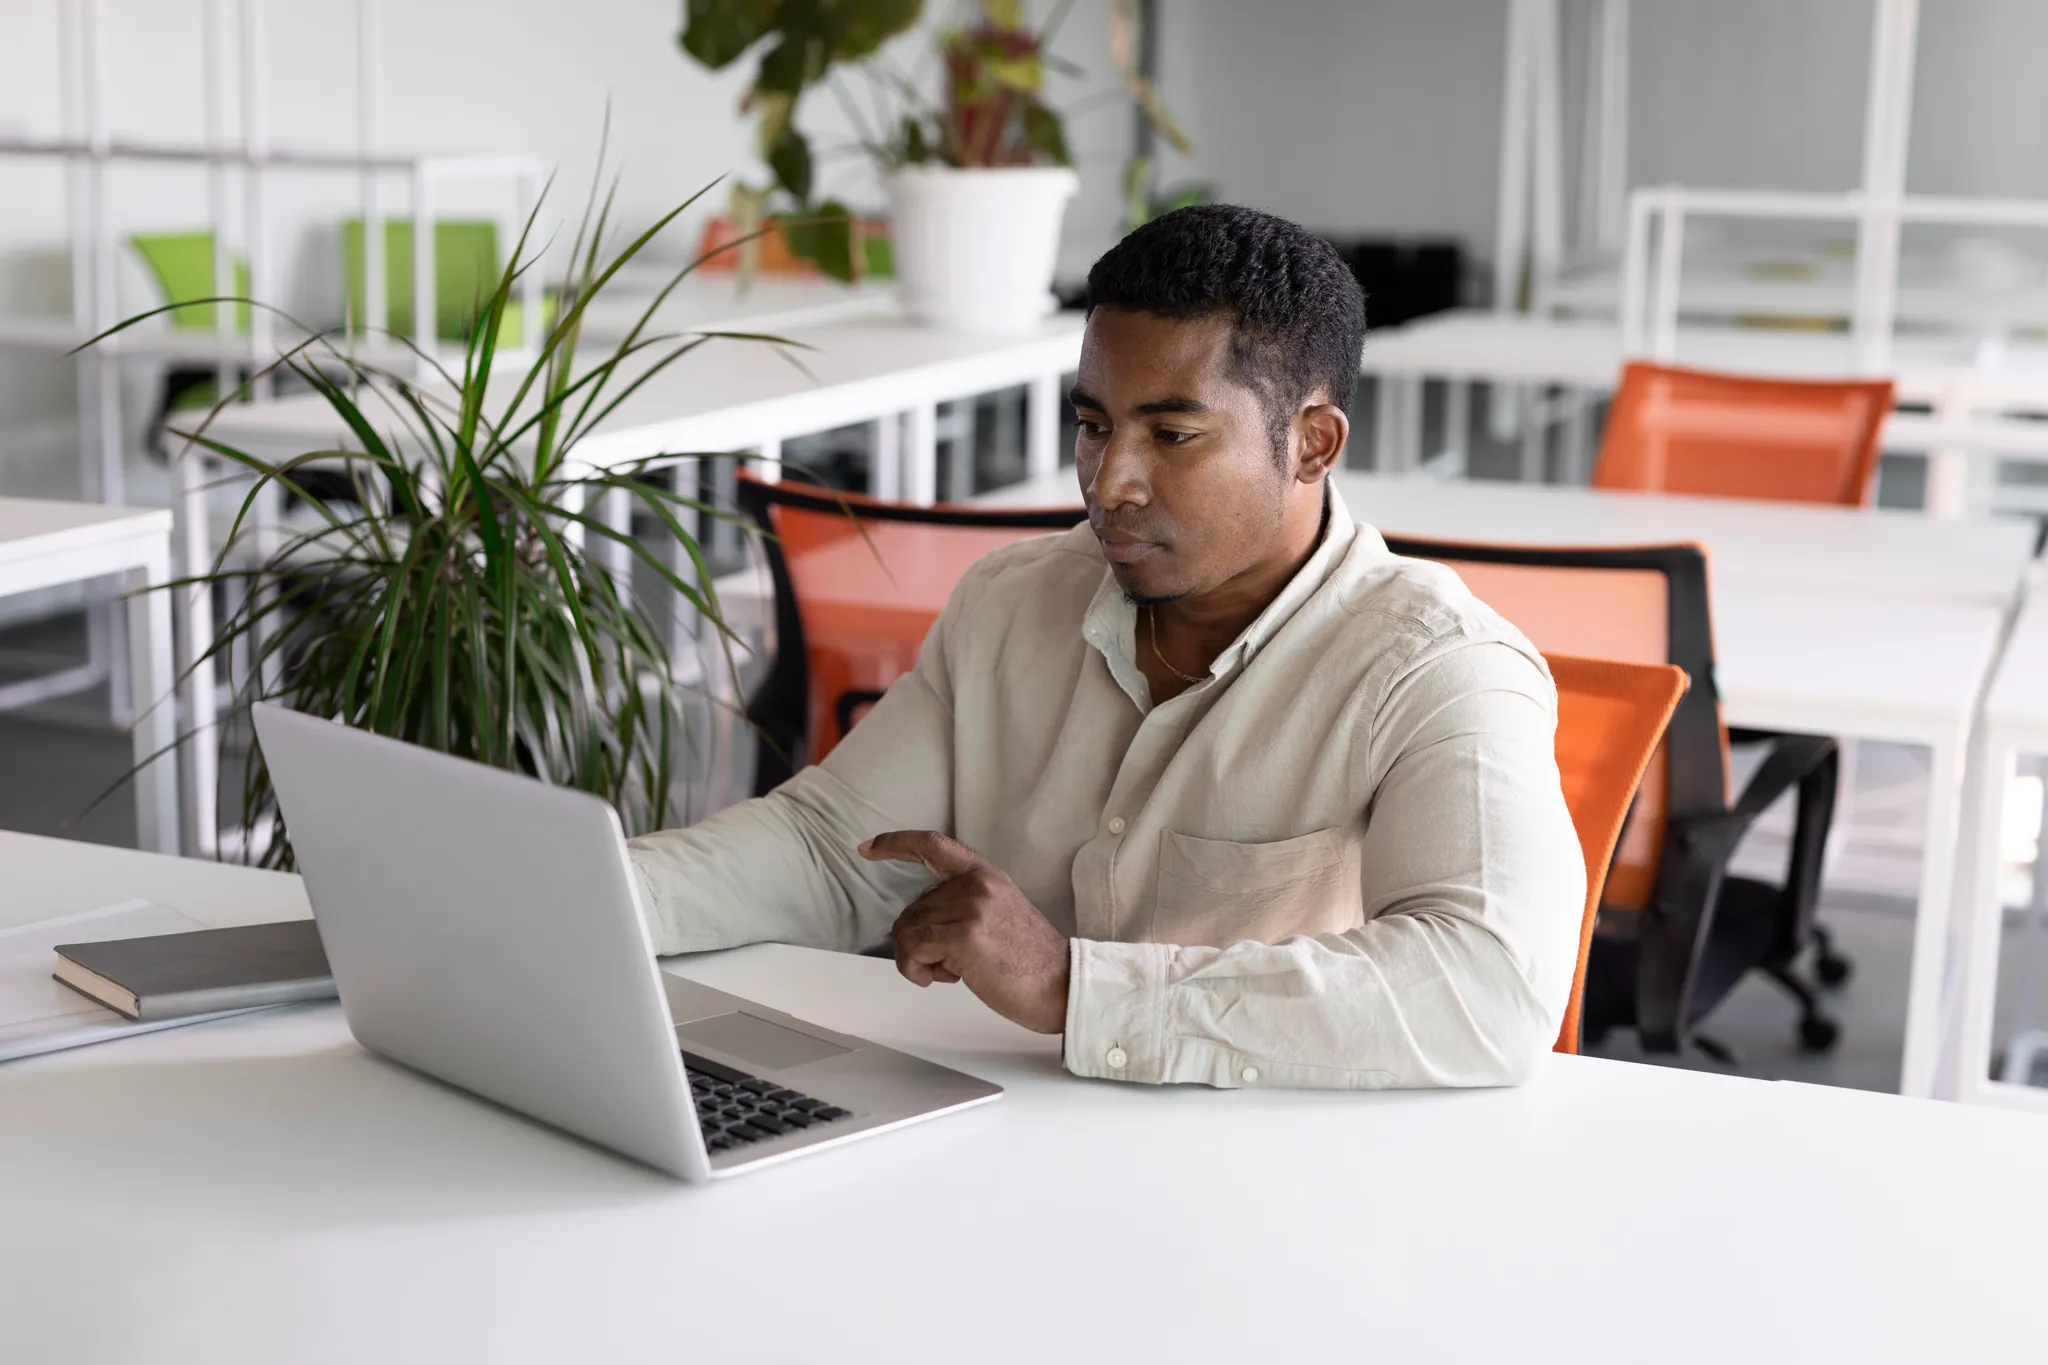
(1152, 620)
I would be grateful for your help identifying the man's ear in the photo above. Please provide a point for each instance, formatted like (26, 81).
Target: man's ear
(1321, 429)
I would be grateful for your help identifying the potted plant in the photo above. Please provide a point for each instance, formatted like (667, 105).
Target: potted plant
(436, 588)
(978, 178)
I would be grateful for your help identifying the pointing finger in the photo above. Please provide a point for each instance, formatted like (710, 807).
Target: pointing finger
(941, 856)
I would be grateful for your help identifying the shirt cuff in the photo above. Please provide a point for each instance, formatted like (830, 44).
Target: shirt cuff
(1117, 1002)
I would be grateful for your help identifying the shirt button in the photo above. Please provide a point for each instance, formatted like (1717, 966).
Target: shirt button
(1116, 1057)
(1116, 824)
(1249, 1075)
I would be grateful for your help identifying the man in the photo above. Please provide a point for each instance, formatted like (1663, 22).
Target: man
(1215, 784)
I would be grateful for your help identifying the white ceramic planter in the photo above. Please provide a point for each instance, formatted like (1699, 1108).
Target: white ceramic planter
(975, 248)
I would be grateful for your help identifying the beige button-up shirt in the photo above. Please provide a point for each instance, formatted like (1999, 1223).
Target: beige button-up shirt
(1342, 859)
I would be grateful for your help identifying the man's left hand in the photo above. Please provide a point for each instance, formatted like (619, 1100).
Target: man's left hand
(976, 926)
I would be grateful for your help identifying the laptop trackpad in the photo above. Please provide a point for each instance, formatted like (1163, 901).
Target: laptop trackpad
(757, 1042)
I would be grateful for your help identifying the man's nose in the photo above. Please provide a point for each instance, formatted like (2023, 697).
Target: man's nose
(1123, 478)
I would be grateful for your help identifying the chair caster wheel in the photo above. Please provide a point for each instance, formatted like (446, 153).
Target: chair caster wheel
(1818, 1033)
(1831, 969)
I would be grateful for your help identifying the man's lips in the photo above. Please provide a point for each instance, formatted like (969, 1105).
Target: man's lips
(1121, 547)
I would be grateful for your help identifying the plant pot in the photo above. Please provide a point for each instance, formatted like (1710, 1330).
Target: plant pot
(975, 248)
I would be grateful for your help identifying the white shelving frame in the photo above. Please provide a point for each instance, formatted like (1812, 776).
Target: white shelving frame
(234, 58)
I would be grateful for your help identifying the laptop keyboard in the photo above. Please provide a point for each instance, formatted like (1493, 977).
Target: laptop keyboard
(735, 1109)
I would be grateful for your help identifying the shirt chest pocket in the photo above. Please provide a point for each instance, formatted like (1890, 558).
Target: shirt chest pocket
(1216, 892)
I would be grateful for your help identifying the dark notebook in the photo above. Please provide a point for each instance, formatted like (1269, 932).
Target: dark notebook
(166, 976)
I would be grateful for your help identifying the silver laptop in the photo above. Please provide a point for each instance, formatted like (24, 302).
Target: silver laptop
(486, 929)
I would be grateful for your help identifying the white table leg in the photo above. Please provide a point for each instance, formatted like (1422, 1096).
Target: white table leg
(615, 511)
(113, 489)
(683, 476)
(1979, 923)
(155, 729)
(1458, 424)
(1535, 431)
(1924, 989)
(1572, 462)
(885, 472)
(268, 517)
(1042, 428)
(1948, 483)
(725, 537)
(921, 456)
(196, 666)
(1948, 471)
(1385, 421)
(960, 450)
(1410, 435)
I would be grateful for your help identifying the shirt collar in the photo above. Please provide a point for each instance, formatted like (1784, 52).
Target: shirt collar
(1111, 622)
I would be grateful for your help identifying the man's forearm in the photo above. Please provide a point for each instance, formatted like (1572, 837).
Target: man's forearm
(781, 868)
(1409, 1000)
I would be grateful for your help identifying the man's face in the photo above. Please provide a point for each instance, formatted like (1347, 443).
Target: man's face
(1176, 459)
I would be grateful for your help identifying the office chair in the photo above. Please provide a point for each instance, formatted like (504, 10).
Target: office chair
(1675, 931)
(466, 270)
(847, 627)
(1673, 430)
(180, 264)
(1610, 720)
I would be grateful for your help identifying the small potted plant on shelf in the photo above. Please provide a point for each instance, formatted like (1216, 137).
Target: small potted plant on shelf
(978, 178)
(435, 585)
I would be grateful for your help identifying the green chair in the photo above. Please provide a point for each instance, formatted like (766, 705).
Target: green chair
(466, 270)
(181, 266)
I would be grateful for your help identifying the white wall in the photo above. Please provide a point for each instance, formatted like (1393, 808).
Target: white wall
(1384, 115)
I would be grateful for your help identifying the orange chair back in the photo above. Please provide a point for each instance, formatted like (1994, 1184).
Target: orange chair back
(1733, 436)
(1632, 604)
(868, 578)
(1610, 719)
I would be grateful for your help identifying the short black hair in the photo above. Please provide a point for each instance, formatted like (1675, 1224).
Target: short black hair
(1298, 313)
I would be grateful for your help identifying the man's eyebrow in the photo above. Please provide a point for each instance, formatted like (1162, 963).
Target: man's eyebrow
(1080, 398)
(1173, 404)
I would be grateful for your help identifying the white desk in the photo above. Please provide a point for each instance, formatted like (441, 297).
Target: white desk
(1827, 620)
(717, 303)
(744, 395)
(1964, 431)
(262, 1189)
(45, 544)
(1874, 551)
(2015, 723)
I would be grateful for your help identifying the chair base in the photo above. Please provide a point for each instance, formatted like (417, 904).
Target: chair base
(1748, 932)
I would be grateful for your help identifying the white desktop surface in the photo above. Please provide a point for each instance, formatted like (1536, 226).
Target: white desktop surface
(262, 1189)
(1474, 343)
(1864, 550)
(733, 394)
(714, 301)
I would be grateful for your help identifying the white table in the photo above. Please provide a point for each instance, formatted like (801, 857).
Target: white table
(1866, 551)
(1875, 625)
(746, 396)
(1965, 430)
(2015, 723)
(47, 544)
(263, 1189)
(714, 302)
